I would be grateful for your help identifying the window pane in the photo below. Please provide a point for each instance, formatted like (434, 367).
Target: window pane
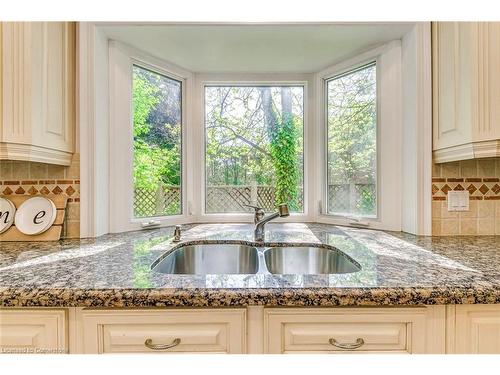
(254, 147)
(157, 103)
(352, 142)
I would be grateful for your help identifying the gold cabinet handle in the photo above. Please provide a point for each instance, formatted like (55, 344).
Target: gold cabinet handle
(349, 346)
(150, 345)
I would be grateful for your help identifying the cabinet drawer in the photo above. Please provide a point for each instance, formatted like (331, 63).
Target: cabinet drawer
(339, 336)
(345, 330)
(33, 331)
(164, 331)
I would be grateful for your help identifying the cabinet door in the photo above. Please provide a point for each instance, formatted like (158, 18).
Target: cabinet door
(33, 331)
(163, 331)
(354, 330)
(53, 87)
(37, 91)
(453, 55)
(15, 78)
(489, 81)
(477, 329)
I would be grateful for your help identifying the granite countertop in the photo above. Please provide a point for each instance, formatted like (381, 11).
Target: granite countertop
(115, 270)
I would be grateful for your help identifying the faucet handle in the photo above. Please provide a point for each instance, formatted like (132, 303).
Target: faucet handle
(259, 213)
(256, 208)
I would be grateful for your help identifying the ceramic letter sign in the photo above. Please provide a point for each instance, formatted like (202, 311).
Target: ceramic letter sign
(7, 212)
(35, 215)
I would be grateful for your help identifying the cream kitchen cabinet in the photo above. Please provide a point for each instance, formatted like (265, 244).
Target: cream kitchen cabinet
(475, 328)
(33, 331)
(255, 329)
(162, 331)
(350, 330)
(466, 90)
(37, 91)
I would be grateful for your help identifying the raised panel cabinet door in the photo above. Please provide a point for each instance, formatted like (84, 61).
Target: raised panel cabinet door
(37, 91)
(33, 331)
(489, 81)
(453, 58)
(53, 85)
(156, 331)
(354, 330)
(477, 329)
(15, 79)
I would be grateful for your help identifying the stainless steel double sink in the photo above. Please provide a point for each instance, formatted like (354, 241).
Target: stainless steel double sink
(224, 258)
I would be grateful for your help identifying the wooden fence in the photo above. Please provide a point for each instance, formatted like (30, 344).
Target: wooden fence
(352, 198)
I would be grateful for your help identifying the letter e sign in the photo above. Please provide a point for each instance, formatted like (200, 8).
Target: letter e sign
(35, 215)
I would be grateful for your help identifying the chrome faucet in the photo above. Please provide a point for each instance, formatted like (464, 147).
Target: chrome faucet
(258, 215)
(260, 224)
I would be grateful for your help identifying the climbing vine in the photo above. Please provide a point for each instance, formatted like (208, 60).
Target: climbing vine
(283, 148)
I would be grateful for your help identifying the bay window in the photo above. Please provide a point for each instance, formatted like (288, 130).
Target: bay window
(187, 147)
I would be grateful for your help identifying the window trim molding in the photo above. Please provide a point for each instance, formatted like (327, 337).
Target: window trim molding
(389, 108)
(122, 58)
(93, 133)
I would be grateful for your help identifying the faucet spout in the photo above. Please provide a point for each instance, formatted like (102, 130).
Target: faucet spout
(260, 225)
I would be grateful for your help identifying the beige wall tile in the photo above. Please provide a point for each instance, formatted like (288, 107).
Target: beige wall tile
(497, 172)
(5, 170)
(449, 227)
(486, 167)
(472, 210)
(497, 227)
(450, 169)
(436, 209)
(436, 170)
(73, 211)
(20, 170)
(73, 171)
(486, 209)
(486, 226)
(73, 229)
(468, 226)
(55, 171)
(468, 168)
(436, 227)
(497, 209)
(445, 214)
(38, 170)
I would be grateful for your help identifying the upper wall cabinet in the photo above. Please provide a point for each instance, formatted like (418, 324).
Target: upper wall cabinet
(466, 90)
(37, 91)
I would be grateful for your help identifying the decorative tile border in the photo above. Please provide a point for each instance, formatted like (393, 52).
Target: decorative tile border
(70, 188)
(479, 188)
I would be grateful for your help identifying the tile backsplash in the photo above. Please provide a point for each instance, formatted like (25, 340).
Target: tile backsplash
(481, 178)
(30, 178)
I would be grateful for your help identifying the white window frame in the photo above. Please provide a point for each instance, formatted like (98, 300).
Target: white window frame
(204, 80)
(389, 136)
(122, 58)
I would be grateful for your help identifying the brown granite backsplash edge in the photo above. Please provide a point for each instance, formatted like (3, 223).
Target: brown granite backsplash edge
(231, 297)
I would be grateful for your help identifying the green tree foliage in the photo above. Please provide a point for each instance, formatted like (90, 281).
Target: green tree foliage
(352, 138)
(156, 132)
(250, 142)
(352, 127)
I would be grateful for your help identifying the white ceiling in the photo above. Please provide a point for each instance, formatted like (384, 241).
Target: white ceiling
(304, 48)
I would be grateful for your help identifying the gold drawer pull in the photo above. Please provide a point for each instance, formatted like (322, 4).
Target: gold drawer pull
(150, 345)
(359, 343)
